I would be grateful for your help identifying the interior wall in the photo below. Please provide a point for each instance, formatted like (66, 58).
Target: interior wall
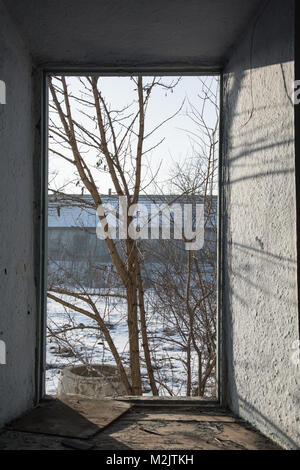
(132, 33)
(260, 286)
(17, 283)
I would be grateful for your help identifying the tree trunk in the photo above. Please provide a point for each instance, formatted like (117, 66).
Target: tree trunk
(191, 324)
(133, 334)
(145, 336)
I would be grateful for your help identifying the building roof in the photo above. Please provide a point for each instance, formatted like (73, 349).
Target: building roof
(76, 210)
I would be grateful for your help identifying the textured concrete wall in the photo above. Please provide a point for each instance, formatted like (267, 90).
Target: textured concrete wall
(260, 297)
(17, 290)
(132, 32)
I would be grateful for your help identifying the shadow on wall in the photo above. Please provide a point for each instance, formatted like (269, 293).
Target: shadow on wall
(265, 423)
(260, 309)
(260, 303)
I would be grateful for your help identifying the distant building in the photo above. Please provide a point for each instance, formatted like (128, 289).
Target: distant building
(72, 239)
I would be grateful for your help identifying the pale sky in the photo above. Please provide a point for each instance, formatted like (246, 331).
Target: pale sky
(179, 134)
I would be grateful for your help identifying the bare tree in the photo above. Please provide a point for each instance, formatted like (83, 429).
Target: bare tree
(185, 282)
(177, 288)
(117, 139)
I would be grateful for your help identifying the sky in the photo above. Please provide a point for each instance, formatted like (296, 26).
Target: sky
(179, 136)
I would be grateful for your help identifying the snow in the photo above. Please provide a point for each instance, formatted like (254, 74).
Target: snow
(83, 342)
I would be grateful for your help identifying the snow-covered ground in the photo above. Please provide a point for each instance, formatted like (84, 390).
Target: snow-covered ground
(82, 342)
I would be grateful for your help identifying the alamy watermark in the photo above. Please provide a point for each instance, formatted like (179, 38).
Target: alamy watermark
(2, 352)
(152, 221)
(296, 94)
(2, 92)
(295, 357)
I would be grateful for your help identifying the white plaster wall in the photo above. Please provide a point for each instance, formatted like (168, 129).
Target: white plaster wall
(260, 296)
(17, 289)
